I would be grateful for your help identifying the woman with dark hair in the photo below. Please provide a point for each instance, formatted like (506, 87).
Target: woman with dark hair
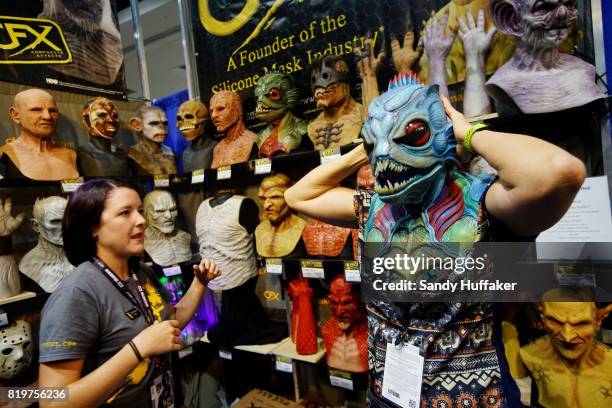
(107, 331)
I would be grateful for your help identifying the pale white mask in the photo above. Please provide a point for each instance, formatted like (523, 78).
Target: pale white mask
(15, 349)
(47, 219)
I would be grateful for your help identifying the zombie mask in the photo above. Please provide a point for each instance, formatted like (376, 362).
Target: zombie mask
(409, 140)
(541, 24)
(225, 110)
(47, 218)
(191, 119)
(275, 95)
(272, 197)
(329, 81)
(101, 118)
(160, 211)
(15, 349)
(344, 303)
(151, 122)
(572, 326)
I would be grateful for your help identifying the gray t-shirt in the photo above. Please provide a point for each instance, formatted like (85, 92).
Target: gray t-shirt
(87, 317)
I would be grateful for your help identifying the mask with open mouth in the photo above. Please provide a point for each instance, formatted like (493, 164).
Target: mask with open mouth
(101, 118)
(409, 141)
(191, 119)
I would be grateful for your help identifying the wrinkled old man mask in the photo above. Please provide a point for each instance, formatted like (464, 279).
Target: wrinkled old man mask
(101, 118)
(191, 119)
(272, 197)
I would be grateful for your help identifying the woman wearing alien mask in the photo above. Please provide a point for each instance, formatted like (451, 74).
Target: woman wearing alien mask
(412, 138)
(107, 330)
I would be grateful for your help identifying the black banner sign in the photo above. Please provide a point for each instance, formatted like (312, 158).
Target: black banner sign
(71, 46)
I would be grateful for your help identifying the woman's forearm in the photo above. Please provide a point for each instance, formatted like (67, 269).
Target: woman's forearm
(96, 387)
(317, 195)
(187, 306)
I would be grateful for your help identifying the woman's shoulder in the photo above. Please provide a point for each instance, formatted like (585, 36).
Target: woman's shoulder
(85, 278)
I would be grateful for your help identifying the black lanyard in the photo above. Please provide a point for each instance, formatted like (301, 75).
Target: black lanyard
(145, 307)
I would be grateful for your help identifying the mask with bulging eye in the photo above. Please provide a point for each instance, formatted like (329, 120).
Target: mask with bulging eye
(191, 119)
(409, 140)
(101, 118)
(15, 349)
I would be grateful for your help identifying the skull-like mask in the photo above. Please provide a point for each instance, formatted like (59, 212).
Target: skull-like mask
(191, 119)
(15, 349)
(47, 218)
(160, 211)
(101, 118)
(409, 140)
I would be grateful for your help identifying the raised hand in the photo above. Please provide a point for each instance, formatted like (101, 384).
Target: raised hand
(367, 63)
(404, 56)
(206, 271)
(473, 36)
(437, 44)
(8, 223)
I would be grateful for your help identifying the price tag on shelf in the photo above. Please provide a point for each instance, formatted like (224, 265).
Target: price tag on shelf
(330, 154)
(185, 352)
(70, 185)
(284, 364)
(172, 270)
(225, 354)
(224, 173)
(197, 177)
(263, 166)
(3, 319)
(161, 180)
(341, 379)
(312, 269)
(274, 266)
(351, 271)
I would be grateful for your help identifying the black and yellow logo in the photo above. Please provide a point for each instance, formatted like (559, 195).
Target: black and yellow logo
(32, 41)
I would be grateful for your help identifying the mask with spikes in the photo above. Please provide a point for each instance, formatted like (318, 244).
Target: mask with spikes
(409, 140)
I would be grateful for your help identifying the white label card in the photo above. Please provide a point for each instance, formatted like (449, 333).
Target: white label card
(224, 173)
(161, 180)
(274, 266)
(197, 177)
(341, 379)
(71, 185)
(172, 270)
(330, 154)
(403, 375)
(313, 269)
(3, 319)
(284, 364)
(263, 166)
(225, 354)
(351, 272)
(185, 352)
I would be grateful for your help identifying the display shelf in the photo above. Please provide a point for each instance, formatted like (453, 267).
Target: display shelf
(17, 298)
(264, 349)
(287, 349)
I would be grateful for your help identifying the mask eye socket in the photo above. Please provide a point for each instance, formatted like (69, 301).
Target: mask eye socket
(416, 134)
(274, 94)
